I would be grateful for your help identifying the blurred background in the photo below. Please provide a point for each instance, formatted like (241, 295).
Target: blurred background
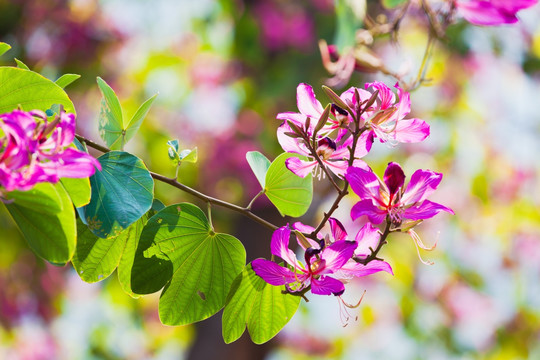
(223, 70)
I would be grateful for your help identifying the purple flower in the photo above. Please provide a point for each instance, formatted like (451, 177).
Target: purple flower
(320, 264)
(493, 12)
(334, 156)
(34, 150)
(386, 117)
(379, 199)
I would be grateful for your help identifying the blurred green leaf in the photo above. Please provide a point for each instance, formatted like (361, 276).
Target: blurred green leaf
(4, 48)
(21, 65)
(263, 307)
(122, 192)
(30, 90)
(137, 119)
(290, 193)
(390, 4)
(259, 165)
(66, 79)
(349, 17)
(110, 117)
(179, 250)
(190, 156)
(46, 218)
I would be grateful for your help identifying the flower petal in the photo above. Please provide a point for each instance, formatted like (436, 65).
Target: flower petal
(426, 210)
(338, 230)
(422, 184)
(306, 101)
(411, 131)
(368, 238)
(279, 246)
(485, 13)
(356, 269)
(327, 286)
(272, 273)
(364, 183)
(288, 143)
(300, 167)
(336, 255)
(366, 207)
(394, 178)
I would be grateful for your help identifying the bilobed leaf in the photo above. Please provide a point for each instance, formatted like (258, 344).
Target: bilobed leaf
(78, 190)
(264, 308)
(46, 218)
(190, 156)
(30, 90)
(66, 79)
(96, 258)
(179, 250)
(290, 193)
(137, 119)
(259, 165)
(110, 117)
(4, 48)
(390, 4)
(21, 65)
(122, 192)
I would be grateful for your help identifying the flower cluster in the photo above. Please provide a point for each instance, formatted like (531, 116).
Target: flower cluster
(334, 139)
(34, 149)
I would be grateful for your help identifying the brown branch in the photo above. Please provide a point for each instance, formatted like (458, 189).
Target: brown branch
(173, 182)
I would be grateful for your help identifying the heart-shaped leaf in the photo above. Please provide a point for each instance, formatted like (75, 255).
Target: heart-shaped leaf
(122, 192)
(179, 249)
(264, 308)
(46, 218)
(290, 193)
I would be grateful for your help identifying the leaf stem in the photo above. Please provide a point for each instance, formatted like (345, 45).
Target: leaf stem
(255, 198)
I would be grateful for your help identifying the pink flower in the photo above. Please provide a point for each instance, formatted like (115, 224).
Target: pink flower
(320, 264)
(386, 117)
(34, 150)
(493, 12)
(379, 199)
(335, 157)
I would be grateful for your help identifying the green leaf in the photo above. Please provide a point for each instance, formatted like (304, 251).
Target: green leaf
(4, 48)
(290, 193)
(348, 19)
(30, 90)
(122, 192)
(78, 189)
(96, 258)
(46, 218)
(259, 165)
(263, 307)
(128, 256)
(21, 65)
(66, 79)
(179, 250)
(390, 4)
(110, 118)
(137, 119)
(190, 156)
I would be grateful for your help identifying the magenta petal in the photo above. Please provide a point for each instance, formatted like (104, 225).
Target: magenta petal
(327, 286)
(337, 167)
(279, 246)
(336, 255)
(364, 183)
(300, 167)
(306, 229)
(368, 238)
(366, 207)
(513, 5)
(306, 101)
(357, 269)
(404, 106)
(288, 143)
(386, 95)
(422, 184)
(337, 229)
(272, 273)
(411, 131)
(297, 118)
(426, 210)
(485, 13)
(394, 177)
